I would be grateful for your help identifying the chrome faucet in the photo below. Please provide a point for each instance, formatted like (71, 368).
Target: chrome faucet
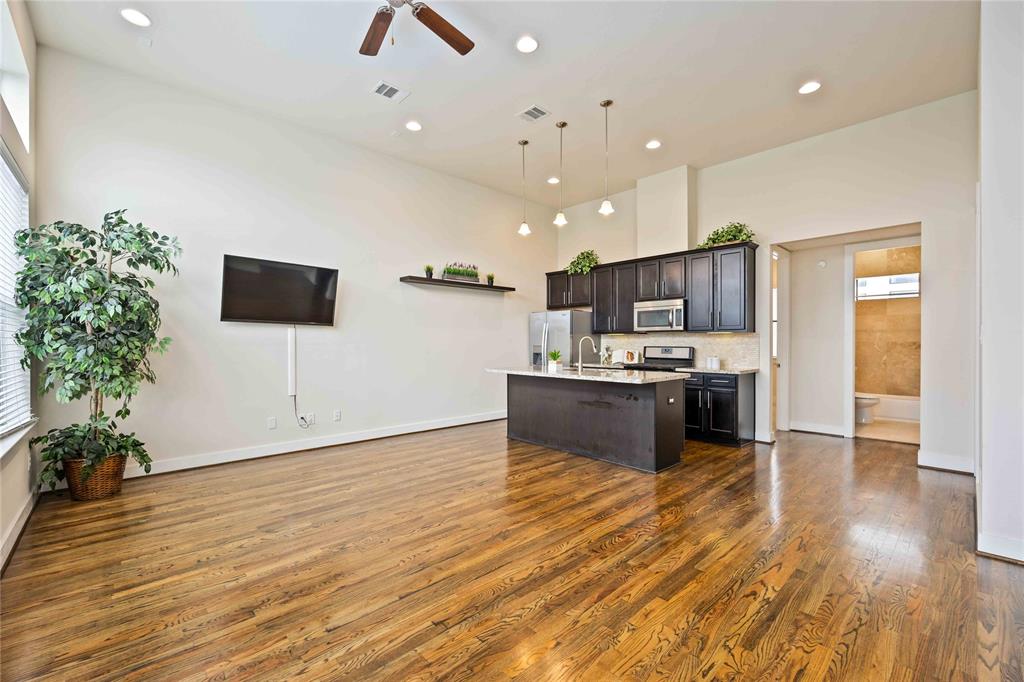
(592, 345)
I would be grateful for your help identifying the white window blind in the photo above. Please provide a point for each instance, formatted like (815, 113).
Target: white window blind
(15, 389)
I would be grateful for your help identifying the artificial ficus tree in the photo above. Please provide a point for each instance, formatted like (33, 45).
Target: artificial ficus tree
(92, 323)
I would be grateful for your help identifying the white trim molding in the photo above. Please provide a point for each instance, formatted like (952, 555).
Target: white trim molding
(939, 460)
(999, 546)
(811, 427)
(11, 538)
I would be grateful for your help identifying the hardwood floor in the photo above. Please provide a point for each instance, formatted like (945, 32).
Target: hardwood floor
(457, 554)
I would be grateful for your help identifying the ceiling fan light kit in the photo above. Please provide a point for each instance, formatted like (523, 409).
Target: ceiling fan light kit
(426, 16)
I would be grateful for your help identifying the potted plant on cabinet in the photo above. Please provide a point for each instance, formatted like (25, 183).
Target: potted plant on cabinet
(554, 361)
(92, 322)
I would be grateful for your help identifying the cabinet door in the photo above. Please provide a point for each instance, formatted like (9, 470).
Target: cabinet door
(694, 411)
(603, 297)
(579, 289)
(731, 290)
(673, 283)
(558, 290)
(722, 408)
(699, 300)
(648, 281)
(625, 297)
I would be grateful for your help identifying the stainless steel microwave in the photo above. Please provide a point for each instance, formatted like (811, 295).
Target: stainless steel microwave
(659, 316)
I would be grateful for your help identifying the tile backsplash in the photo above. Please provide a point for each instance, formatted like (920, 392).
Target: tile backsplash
(739, 351)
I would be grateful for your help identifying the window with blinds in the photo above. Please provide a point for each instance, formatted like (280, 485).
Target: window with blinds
(15, 389)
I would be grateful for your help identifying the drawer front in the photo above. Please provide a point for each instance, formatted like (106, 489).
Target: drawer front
(720, 381)
(695, 380)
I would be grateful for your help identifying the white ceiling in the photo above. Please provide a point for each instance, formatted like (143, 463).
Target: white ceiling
(712, 80)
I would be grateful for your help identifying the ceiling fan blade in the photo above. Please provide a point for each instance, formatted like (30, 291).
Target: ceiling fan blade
(377, 31)
(445, 31)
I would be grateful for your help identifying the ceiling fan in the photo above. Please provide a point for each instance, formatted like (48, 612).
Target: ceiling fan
(428, 17)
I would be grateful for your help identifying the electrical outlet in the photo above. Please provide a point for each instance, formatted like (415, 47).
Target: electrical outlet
(337, 415)
(310, 418)
(271, 423)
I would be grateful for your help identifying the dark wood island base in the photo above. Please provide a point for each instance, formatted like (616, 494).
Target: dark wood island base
(638, 425)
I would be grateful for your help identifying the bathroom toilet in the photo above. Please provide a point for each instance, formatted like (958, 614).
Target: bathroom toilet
(865, 407)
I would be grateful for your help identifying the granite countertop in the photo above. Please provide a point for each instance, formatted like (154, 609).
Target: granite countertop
(694, 370)
(615, 376)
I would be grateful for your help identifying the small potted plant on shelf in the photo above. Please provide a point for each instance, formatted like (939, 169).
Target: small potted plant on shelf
(91, 322)
(733, 233)
(462, 272)
(428, 270)
(554, 361)
(490, 279)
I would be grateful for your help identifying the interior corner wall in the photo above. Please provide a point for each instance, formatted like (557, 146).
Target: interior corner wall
(663, 212)
(917, 165)
(1001, 462)
(613, 237)
(399, 358)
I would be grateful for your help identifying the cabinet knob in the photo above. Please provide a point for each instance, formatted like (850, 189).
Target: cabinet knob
(671, 401)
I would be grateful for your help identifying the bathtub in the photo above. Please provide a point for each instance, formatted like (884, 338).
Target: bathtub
(903, 407)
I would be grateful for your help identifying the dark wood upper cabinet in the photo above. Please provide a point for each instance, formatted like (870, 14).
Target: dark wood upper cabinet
(603, 298)
(579, 290)
(625, 297)
(700, 307)
(558, 290)
(734, 289)
(648, 280)
(673, 277)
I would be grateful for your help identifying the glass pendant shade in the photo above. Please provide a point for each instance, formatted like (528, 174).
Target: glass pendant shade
(524, 229)
(560, 219)
(606, 208)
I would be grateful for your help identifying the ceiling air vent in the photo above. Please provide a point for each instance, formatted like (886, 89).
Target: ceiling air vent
(532, 114)
(389, 91)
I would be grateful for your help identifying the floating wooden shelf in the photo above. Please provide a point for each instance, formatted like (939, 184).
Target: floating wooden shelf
(414, 279)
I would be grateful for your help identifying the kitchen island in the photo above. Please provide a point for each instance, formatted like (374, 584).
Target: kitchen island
(627, 417)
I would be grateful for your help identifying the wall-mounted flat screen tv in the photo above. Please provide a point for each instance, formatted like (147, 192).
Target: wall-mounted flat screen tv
(256, 290)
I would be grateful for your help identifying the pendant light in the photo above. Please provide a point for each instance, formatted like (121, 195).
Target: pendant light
(606, 206)
(560, 220)
(524, 228)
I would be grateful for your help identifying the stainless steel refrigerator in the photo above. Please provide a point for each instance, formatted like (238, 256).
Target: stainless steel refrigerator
(560, 330)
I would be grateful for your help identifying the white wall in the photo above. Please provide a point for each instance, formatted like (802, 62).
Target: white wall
(613, 237)
(663, 209)
(816, 340)
(399, 358)
(918, 165)
(17, 489)
(1001, 466)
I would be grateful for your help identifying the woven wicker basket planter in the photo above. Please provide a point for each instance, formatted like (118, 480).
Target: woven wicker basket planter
(104, 482)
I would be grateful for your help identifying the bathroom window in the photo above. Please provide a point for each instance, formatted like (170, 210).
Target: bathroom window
(907, 285)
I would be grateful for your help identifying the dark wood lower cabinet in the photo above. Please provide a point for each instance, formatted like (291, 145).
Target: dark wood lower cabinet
(720, 408)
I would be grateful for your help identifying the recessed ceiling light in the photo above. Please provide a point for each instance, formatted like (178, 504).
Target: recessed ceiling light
(653, 144)
(134, 16)
(552, 180)
(414, 126)
(526, 44)
(809, 87)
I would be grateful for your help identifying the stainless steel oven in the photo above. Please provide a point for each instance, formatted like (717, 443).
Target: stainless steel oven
(659, 316)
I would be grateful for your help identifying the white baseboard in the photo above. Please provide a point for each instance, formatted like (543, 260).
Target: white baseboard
(163, 466)
(11, 537)
(827, 429)
(939, 460)
(1000, 546)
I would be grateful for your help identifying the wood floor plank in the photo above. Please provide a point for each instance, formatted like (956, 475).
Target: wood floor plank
(458, 554)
